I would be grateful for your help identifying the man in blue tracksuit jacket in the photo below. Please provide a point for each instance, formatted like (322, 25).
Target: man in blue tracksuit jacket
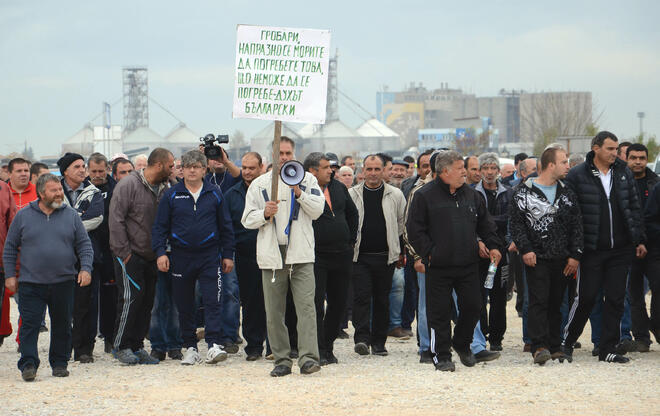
(194, 218)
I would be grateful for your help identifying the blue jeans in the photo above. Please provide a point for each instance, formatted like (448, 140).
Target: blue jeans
(422, 323)
(596, 318)
(33, 299)
(396, 298)
(164, 332)
(478, 339)
(231, 306)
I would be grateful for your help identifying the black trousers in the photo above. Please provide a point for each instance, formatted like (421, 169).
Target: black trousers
(410, 296)
(85, 317)
(515, 269)
(252, 298)
(372, 282)
(439, 283)
(606, 270)
(493, 312)
(136, 289)
(107, 298)
(546, 285)
(332, 272)
(641, 322)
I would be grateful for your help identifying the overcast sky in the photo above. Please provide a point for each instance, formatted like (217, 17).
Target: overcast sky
(60, 60)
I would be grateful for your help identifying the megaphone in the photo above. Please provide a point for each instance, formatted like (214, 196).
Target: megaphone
(292, 173)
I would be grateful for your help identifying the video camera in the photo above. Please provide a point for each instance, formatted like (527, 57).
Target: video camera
(211, 150)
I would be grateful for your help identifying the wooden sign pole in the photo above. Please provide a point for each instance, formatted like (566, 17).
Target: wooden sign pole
(276, 161)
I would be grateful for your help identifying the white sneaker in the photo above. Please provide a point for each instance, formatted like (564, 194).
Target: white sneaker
(190, 357)
(216, 354)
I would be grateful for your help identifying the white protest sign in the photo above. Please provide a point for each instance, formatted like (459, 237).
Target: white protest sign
(281, 73)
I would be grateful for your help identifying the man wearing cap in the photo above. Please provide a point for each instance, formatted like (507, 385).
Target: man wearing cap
(87, 200)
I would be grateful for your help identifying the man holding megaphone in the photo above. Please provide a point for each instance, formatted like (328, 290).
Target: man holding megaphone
(285, 254)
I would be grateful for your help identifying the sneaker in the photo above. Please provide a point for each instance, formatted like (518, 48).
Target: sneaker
(29, 372)
(330, 357)
(558, 355)
(127, 357)
(445, 365)
(60, 372)
(626, 346)
(310, 367)
(216, 354)
(577, 345)
(495, 346)
(175, 354)
(378, 350)
(253, 356)
(158, 355)
(426, 357)
(485, 355)
(399, 334)
(541, 356)
(567, 352)
(190, 356)
(614, 358)
(595, 352)
(361, 348)
(230, 347)
(145, 358)
(342, 334)
(467, 358)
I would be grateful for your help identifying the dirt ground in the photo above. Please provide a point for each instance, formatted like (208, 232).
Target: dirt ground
(370, 385)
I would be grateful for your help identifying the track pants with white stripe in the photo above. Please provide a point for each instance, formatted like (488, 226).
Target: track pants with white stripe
(606, 269)
(136, 288)
(439, 284)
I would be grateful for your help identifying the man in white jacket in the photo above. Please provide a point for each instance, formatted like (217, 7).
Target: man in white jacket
(285, 254)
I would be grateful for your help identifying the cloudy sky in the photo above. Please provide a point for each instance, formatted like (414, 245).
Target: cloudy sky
(60, 60)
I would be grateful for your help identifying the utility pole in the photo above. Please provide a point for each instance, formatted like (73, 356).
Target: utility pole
(641, 116)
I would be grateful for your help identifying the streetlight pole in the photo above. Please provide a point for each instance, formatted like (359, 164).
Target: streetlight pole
(641, 116)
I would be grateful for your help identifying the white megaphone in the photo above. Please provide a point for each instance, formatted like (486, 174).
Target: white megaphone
(292, 173)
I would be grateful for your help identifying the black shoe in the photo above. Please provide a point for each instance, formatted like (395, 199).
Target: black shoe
(595, 352)
(626, 346)
(293, 354)
(239, 340)
(85, 359)
(107, 347)
(159, 355)
(486, 355)
(342, 334)
(323, 361)
(309, 367)
(2, 340)
(496, 347)
(280, 371)
(230, 348)
(29, 372)
(426, 357)
(378, 350)
(361, 348)
(445, 365)
(467, 358)
(568, 354)
(175, 354)
(60, 372)
(614, 358)
(253, 356)
(330, 357)
(577, 345)
(643, 346)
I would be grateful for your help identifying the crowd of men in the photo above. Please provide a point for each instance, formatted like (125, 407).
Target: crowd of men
(180, 250)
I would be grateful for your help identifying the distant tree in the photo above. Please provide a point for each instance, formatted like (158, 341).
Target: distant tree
(471, 143)
(651, 144)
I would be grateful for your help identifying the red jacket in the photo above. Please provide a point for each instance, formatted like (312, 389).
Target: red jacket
(7, 212)
(22, 199)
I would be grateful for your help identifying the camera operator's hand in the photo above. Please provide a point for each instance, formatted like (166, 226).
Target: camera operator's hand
(163, 263)
(227, 265)
(271, 209)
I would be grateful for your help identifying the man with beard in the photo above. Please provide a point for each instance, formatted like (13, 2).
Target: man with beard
(87, 200)
(54, 245)
(121, 168)
(132, 212)
(399, 172)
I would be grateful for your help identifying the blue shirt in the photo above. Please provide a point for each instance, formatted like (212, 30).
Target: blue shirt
(224, 180)
(548, 191)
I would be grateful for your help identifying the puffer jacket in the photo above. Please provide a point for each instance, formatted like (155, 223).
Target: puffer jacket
(584, 180)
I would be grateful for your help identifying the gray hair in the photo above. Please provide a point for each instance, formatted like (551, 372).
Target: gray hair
(192, 158)
(313, 160)
(488, 159)
(43, 180)
(345, 169)
(523, 165)
(445, 159)
(140, 156)
(97, 158)
(575, 159)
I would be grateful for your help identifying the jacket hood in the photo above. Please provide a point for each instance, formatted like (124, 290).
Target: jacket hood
(589, 160)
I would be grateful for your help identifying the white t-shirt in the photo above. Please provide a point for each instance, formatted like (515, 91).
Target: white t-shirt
(606, 179)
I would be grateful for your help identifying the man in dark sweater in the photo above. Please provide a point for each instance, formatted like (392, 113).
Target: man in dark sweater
(445, 218)
(645, 180)
(52, 241)
(613, 236)
(335, 232)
